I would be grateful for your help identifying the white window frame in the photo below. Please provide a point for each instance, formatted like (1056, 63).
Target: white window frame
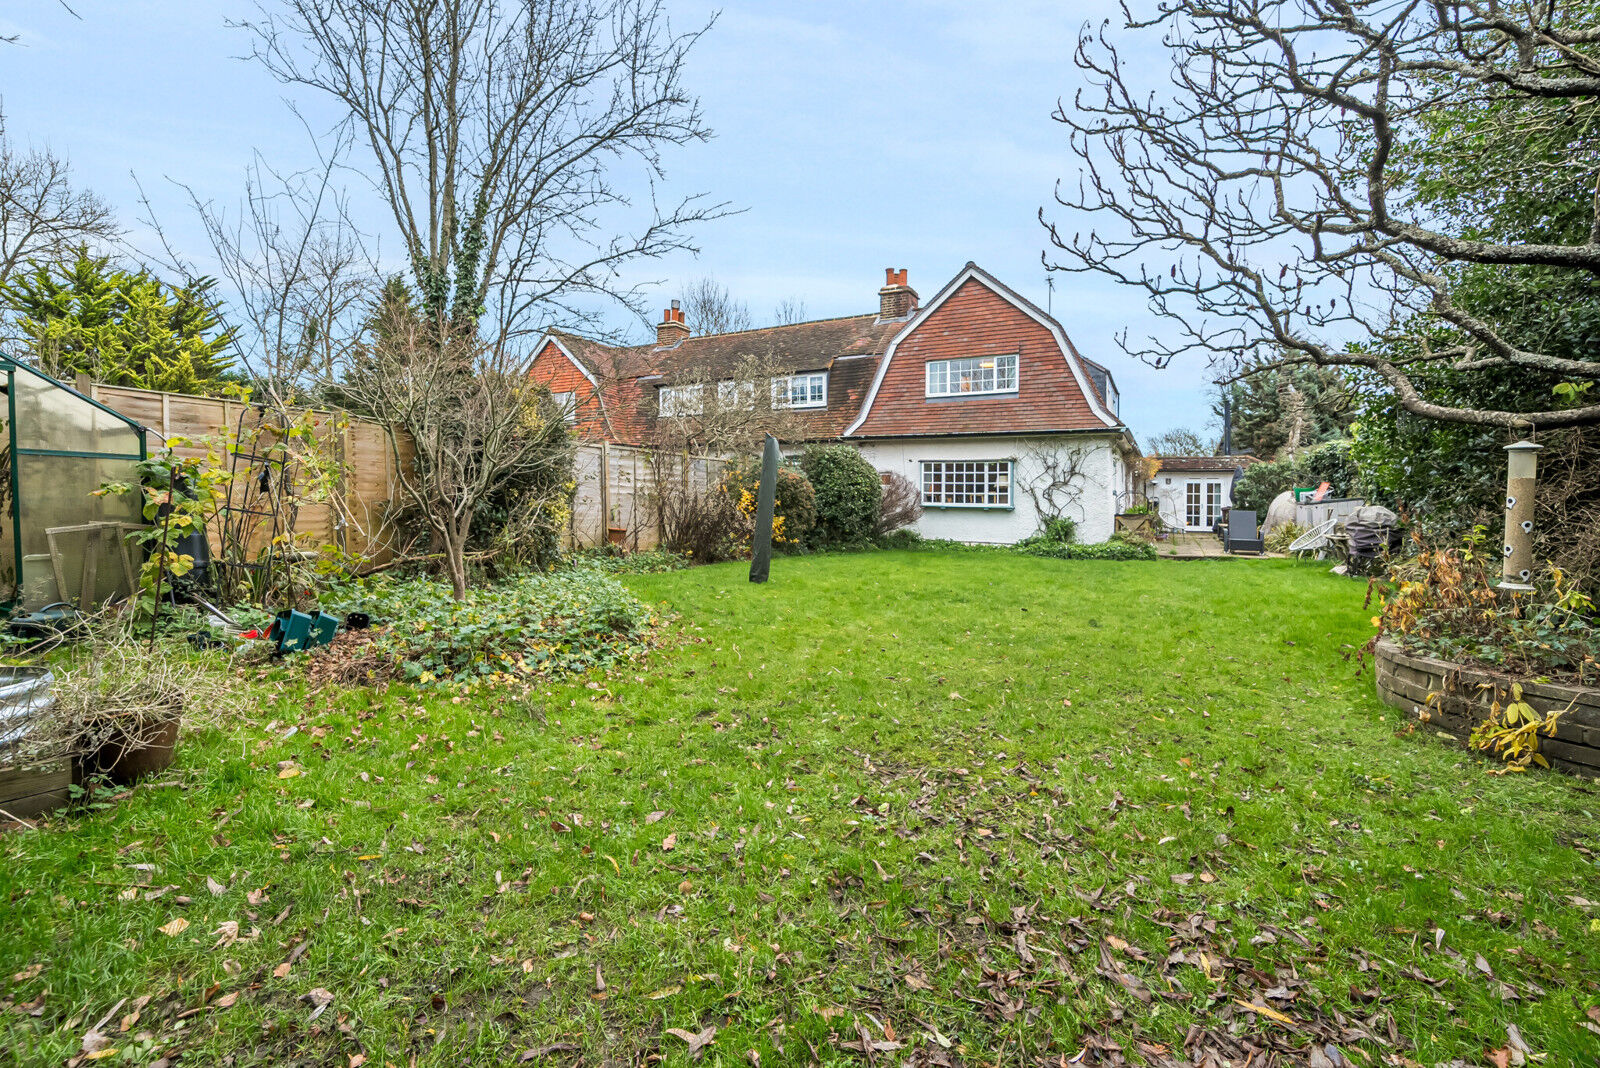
(944, 482)
(734, 394)
(567, 404)
(681, 400)
(814, 384)
(946, 378)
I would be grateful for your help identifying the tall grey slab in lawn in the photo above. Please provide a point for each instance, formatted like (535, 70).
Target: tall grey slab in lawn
(766, 504)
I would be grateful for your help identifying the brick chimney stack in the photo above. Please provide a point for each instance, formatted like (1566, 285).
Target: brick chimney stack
(896, 300)
(671, 330)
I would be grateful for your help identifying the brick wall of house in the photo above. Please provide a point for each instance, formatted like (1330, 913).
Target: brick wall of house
(976, 321)
(551, 368)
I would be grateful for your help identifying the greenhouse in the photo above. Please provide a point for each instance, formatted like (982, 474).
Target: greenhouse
(60, 543)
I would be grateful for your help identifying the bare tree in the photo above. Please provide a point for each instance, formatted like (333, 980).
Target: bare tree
(477, 424)
(495, 130)
(789, 310)
(730, 412)
(1278, 171)
(302, 277)
(708, 308)
(1179, 441)
(42, 217)
(901, 504)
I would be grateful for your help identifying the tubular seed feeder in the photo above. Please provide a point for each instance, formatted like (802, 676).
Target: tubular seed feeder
(59, 542)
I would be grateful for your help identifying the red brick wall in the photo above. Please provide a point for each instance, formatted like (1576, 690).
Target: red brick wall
(976, 321)
(552, 368)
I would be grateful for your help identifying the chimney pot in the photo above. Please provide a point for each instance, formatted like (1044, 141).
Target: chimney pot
(671, 329)
(896, 300)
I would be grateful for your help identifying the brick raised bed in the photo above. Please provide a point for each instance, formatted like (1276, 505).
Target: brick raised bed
(1406, 679)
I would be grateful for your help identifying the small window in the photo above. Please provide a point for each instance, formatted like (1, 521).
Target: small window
(972, 375)
(966, 483)
(681, 400)
(567, 405)
(801, 391)
(733, 395)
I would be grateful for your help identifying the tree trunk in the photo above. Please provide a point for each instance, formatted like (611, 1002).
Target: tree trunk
(455, 557)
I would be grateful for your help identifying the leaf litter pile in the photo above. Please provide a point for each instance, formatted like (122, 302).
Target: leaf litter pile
(701, 865)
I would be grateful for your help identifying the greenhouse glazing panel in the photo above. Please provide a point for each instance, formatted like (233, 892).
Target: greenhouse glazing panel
(59, 448)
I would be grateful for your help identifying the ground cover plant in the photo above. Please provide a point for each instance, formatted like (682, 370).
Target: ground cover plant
(910, 807)
(528, 625)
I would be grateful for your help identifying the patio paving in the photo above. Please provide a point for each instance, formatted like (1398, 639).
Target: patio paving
(1197, 545)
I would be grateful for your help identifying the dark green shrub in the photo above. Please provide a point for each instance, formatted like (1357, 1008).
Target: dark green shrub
(900, 539)
(1115, 549)
(1329, 462)
(849, 491)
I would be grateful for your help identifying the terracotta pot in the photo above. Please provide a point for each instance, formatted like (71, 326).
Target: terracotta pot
(126, 759)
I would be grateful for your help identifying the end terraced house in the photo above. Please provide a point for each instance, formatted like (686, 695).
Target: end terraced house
(977, 396)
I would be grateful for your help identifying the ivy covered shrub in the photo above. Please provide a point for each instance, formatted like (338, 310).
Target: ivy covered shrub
(529, 626)
(1445, 603)
(849, 492)
(1329, 462)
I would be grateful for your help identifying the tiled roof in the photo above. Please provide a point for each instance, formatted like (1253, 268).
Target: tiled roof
(847, 348)
(1207, 463)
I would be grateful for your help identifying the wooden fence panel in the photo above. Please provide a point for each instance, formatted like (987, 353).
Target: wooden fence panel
(354, 518)
(612, 502)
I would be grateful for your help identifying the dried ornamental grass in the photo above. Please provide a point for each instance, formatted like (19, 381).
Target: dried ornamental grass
(119, 696)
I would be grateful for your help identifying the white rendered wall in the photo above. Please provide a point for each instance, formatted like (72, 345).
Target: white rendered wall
(1092, 504)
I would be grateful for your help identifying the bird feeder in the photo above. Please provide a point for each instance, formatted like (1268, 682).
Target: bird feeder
(1522, 472)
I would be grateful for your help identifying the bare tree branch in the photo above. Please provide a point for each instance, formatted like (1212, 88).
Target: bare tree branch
(1273, 180)
(496, 130)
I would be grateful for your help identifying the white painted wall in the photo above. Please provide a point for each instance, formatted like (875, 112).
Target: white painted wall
(1094, 506)
(1166, 492)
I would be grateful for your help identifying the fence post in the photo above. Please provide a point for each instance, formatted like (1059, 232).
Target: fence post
(604, 535)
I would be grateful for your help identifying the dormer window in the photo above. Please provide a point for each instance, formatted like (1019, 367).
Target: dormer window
(801, 391)
(971, 376)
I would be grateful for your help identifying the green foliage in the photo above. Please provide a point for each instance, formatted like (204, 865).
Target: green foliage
(848, 493)
(645, 562)
(1283, 535)
(120, 327)
(1059, 529)
(1114, 549)
(180, 496)
(520, 523)
(1516, 169)
(532, 625)
(1264, 415)
(1329, 462)
(795, 502)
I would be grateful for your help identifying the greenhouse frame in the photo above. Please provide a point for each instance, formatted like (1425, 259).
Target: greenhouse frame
(63, 544)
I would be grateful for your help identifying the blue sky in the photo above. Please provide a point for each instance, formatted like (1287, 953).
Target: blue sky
(855, 136)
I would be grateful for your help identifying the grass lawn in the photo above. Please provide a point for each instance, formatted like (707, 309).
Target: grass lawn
(958, 808)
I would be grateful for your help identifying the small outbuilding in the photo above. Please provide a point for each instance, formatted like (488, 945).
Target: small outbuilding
(1192, 492)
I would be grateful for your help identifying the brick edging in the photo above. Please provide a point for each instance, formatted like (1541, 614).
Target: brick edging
(1404, 680)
